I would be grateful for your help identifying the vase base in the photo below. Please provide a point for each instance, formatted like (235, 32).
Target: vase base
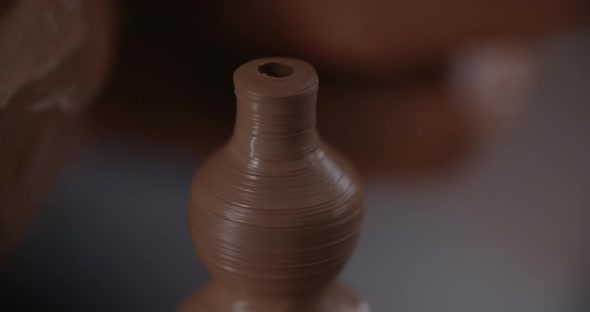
(336, 298)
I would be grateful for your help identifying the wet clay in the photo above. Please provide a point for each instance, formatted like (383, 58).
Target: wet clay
(275, 213)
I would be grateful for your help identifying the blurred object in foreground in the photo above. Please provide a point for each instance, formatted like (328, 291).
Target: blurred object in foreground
(53, 58)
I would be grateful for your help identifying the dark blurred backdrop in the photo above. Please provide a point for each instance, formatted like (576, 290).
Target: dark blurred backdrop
(468, 121)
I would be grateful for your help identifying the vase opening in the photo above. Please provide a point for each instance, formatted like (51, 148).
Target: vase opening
(275, 69)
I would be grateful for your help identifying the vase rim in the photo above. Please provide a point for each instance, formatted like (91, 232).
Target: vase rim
(275, 77)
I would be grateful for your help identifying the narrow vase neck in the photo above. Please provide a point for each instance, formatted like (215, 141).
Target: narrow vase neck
(276, 109)
(277, 128)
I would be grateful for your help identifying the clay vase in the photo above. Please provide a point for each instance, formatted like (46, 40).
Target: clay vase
(275, 213)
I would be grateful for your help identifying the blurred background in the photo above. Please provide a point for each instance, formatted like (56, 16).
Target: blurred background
(467, 119)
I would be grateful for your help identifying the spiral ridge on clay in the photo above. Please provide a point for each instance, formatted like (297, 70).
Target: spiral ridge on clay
(276, 211)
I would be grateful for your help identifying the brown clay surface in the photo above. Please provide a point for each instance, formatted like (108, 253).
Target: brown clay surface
(335, 298)
(275, 213)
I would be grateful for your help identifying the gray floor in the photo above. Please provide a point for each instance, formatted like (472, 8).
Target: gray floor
(506, 233)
